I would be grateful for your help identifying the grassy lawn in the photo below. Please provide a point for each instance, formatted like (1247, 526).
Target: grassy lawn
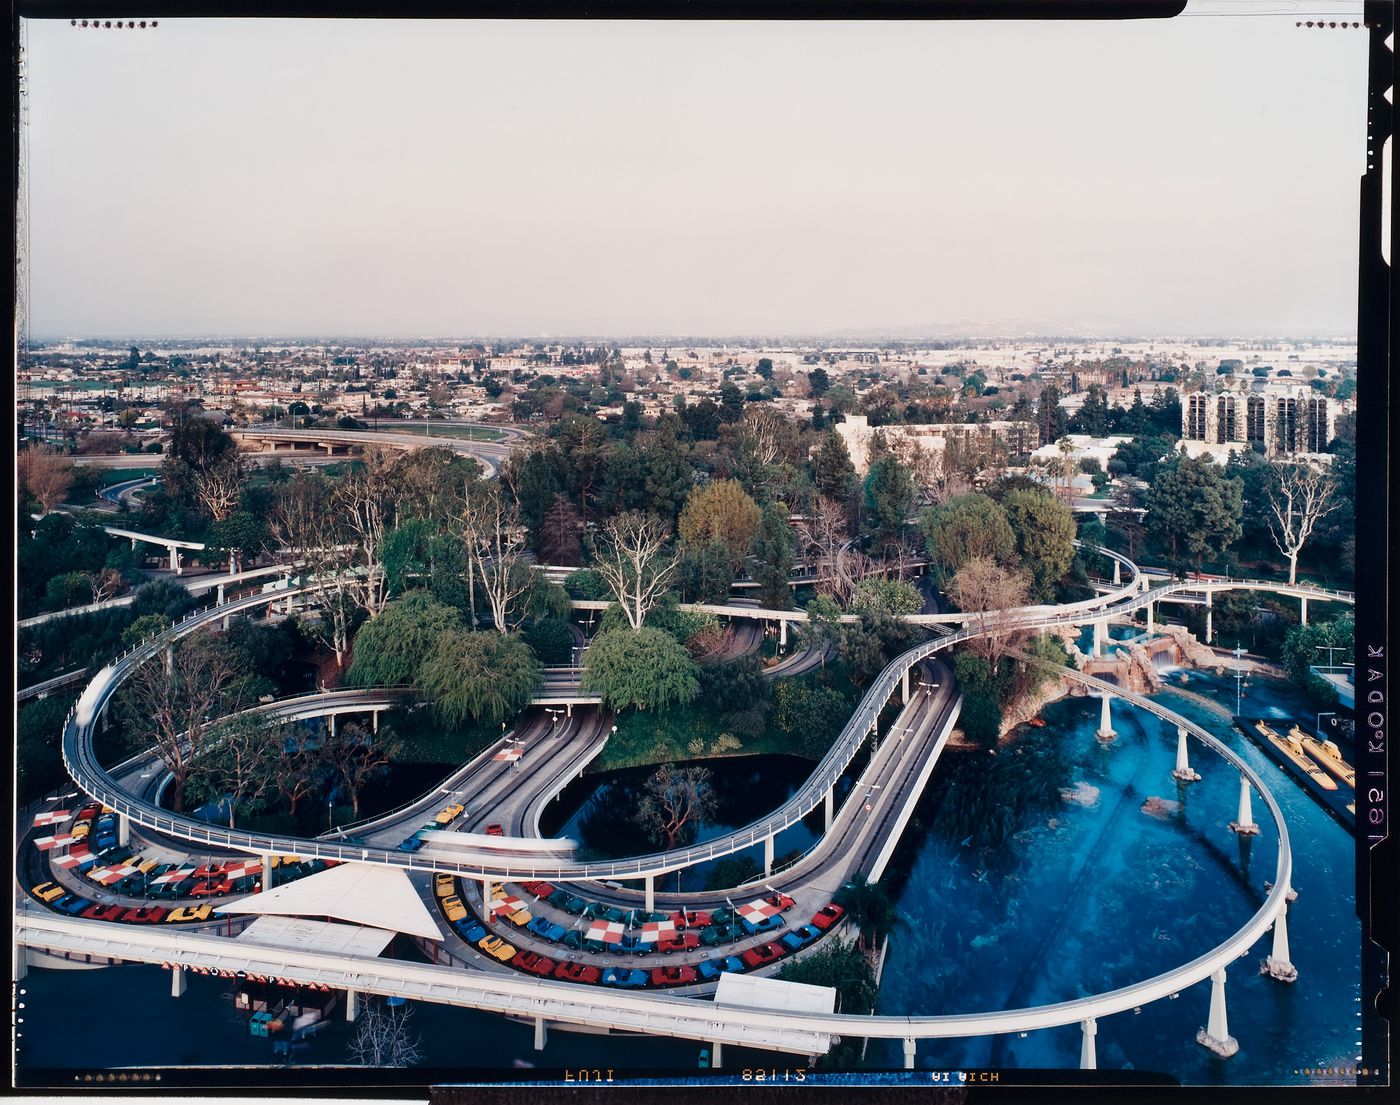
(466, 433)
(643, 738)
(426, 741)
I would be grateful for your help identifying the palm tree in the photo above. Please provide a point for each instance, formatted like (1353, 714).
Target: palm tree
(870, 909)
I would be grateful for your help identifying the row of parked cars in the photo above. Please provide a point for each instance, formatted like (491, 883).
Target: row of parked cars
(75, 905)
(475, 933)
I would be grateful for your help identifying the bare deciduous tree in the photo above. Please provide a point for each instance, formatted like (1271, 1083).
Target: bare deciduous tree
(984, 588)
(355, 754)
(107, 584)
(365, 502)
(382, 1037)
(47, 473)
(676, 802)
(219, 486)
(1298, 496)
(305, 527)
(170, 698)
(630, 555)
(490, 529)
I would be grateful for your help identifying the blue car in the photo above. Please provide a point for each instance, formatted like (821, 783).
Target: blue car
(412, 844)
(800, 938)
(768, 924)
(473, 932)
(71, 904)
(621, 976)
(711, 969)
(543, 926)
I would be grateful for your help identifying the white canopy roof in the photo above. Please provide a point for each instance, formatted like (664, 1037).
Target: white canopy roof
(753, 992)
(316, 936)
(363, 893)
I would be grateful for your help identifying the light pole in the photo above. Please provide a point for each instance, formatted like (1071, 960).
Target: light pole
(1239, 677)
(928, 688)
(1330, 713)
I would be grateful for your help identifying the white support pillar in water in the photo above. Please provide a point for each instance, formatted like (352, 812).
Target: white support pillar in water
(650, 883)
(1106, 732)
(19, 962)
(1244, 821)
(1182, 772)
(177, 982)
(352, 1005)
(909, 1045)
(1216, 1034)
(1088, 1053)
(1151, 625)
(767, 855)
(717, 1055)
(1100, 631)
(541, 1034)
(829, 806)
(1278, 966)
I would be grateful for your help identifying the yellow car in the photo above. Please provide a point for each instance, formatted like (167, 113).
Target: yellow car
(80, 830)
(444, 886)
(495, 946)
(47, 891)
(519, 917)
(454, 908)
(187, 913)
(449, 814)
(498, 891)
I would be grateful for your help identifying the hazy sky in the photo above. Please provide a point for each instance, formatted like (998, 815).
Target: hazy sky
(419, 178)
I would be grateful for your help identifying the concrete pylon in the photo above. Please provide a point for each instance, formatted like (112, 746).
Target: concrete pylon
(904, 689)
(352, 1005)
(1216, 1034)
(717, 1054)
(1099, 628)
(123, 829)
(768, 855)
(19, 960)
(177, 982)
(829, 806)
(266, 882)
(1151, 625)
(1277, 965)
(330, 724)
(650, 883)
(1182, 773)
(1106, 732)
(1244, 821)
(169, 661)
(909, 1045)
(1117, 573)
(1210, 622)
(782, 633)
(541, 1033)
(1089, 1028)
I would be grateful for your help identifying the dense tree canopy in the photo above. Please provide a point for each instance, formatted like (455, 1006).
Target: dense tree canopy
(646, 668)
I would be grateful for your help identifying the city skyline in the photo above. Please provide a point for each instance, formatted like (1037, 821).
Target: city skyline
(780, 180)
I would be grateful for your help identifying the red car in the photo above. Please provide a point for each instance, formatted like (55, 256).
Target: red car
(211, 887)
(696, 919)
(538, 889)
(211, 870)
(681, 942)
(763, 955)
(99, 912)
(148, 915)
(88, 812)
(782, 901)
(495, 830)
(673, 976)
(577, 972)
(827, 916)
(533, 962)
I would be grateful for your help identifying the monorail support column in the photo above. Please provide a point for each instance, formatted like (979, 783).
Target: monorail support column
(1088, 1053)
(1183, 773)
(19, 961)
(1305, 610)
(123, 829)
(541, 1033)
(904, 689)
(1210, 619)
(175, 560)
(265, 884)
(782, 633)
(221, 594)
(1117, 573)
(1106, 732)
(909, 1044)
(177, 982)
(352, 1006)
(169, 662)
(1151, 625)
(1099, 632)
(829, 805)
(1244, 821)
(1216, 1034)
(1278, 966)
(374, 721)
(767, 855)
(330, 724)
(717, 1056)
(650, 883)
